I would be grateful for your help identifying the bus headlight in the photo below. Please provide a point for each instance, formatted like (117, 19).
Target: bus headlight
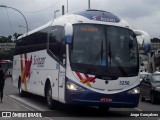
(134, 91)
(74, 87)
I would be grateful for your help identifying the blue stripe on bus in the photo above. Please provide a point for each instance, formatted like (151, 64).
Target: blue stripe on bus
(92, 98)
(99, 16)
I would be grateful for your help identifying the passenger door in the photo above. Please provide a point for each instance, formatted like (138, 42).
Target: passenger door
(61, 86)
(62, 73)
(56, 47)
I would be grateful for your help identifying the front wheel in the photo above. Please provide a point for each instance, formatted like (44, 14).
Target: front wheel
(142, 98)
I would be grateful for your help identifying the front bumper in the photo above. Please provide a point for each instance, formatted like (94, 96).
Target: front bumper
(92, 98)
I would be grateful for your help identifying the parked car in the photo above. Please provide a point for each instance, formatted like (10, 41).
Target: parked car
(150, 87)
(143, 74)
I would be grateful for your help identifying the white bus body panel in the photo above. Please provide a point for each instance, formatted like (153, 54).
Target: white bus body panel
(42, 67)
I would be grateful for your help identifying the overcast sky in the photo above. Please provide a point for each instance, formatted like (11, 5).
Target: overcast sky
(140, 14)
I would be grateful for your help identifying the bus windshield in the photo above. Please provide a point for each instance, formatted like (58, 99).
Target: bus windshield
(104, 50)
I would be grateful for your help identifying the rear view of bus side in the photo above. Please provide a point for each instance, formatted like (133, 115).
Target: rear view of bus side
(87, 58)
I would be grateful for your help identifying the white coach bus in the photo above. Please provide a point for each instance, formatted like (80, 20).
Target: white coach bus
(88, 58)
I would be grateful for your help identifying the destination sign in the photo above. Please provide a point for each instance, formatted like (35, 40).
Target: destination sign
(91, 29)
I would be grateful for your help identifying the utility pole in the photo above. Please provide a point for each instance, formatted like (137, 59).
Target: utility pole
(62, 9)
(89, 5)
(55, 13)
(67, 6)
(19, 12)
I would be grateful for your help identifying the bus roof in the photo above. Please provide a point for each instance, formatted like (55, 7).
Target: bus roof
(93, 16)
(35, 30)
(99, 15)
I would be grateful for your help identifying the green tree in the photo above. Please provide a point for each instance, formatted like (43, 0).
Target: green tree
(4, 39)
(9, 39)
(16, 35)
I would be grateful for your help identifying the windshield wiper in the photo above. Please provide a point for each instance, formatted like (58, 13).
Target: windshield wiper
(100, 53)
(114, 61)
(110, 53)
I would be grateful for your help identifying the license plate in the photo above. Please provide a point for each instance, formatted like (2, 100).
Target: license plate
(106, 99)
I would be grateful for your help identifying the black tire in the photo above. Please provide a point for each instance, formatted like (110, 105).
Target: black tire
(153, 100)
(49, 99)
(21, 92)
(142, 98)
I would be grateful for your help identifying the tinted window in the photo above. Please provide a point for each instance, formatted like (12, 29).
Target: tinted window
(104, 50)
(86, 39)
(33, 42)
(56, 42)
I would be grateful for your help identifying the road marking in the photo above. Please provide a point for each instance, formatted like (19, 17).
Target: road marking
(18, 103)
(26, 102)
(138, 109)
(12, 97)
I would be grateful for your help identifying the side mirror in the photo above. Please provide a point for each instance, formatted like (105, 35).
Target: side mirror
(143, 40)
(68, 33)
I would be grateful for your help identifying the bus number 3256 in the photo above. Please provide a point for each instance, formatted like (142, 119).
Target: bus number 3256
(124, 82)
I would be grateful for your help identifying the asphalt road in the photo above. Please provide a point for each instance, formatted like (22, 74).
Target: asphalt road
(30, 103)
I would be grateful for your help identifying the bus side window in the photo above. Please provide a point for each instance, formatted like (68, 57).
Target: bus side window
(33, 42)
(56, 42)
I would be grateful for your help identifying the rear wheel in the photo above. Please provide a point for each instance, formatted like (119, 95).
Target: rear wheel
(21, 92)
(50, 101)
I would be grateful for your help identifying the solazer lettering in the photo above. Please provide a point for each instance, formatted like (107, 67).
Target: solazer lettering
(104, 19)
(39, 61)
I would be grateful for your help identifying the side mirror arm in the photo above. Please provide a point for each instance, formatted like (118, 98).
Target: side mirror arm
(143, 40)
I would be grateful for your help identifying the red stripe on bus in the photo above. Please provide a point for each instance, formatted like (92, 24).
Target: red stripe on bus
(78, 74)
